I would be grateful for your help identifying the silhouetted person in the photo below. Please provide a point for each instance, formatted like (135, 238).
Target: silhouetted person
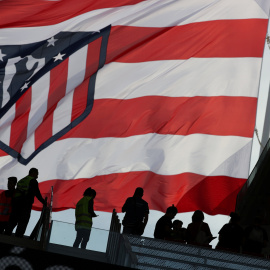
(178, 232)
(84, 213)
(231, 235)
(255, 238)
(164, 225)
(198, 232)
(136, 216)
(5, 203)
(23, 199)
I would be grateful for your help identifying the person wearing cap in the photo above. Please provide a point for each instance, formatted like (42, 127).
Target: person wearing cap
(163, 229)
(6, 203)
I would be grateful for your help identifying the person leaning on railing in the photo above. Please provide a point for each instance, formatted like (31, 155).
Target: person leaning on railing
(231, 235)
(163, 228)
(198, 232)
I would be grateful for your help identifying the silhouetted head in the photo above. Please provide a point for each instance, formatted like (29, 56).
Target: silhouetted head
(93, 193)
(138, 192)
(197, 216)
(177, 224)
(171, 211)
(33, 172)
(90, 192)
(234, 217)
(12, 181)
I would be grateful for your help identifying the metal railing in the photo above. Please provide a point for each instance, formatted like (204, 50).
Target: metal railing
(35, 235)
(118, 247)
(126, 257)
(155, 253)
(113, 240)
(41, 230)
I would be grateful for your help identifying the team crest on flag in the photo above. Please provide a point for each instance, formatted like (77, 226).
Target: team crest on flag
(47, 88)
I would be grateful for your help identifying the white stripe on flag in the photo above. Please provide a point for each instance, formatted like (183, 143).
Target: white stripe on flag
(62, 114)
(76, 68)
(175, 78)
(162, 154)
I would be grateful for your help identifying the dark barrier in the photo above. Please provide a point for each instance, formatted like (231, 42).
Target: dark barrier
(14, 257)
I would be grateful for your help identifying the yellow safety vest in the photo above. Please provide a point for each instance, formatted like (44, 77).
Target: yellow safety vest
(83, 217)
(23, 186)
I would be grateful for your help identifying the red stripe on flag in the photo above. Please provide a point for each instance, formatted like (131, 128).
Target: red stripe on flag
(140, 44)
(17, 13)
(79, 99)
(112, 191)
(182, 116)
(58, 83)
(18, 133)
(93, 54)
(81, 92)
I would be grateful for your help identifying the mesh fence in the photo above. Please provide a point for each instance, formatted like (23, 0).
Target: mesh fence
(159, 254)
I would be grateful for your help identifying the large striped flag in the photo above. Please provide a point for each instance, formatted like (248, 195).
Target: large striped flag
(116, 94)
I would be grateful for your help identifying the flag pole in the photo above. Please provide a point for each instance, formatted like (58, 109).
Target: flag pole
(256, 152)
(266, 125)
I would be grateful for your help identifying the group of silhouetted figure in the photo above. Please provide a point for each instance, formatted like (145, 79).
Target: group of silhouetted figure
(16, 204)
(232, 236)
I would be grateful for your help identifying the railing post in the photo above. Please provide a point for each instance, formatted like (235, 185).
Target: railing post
(47, 222)
(113, 239)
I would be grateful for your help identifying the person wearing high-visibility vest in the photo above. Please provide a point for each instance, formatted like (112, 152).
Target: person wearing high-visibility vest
(5, 203)
(84, 213)
(23, 199)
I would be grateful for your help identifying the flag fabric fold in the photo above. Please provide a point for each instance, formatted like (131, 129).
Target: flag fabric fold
(119, 94)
